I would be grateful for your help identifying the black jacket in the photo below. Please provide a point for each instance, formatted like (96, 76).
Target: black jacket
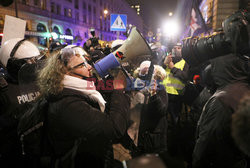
(13, 104)
(153, 124)
(214, 146)
(73, 115)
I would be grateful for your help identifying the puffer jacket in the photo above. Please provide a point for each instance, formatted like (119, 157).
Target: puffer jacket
(74, 117)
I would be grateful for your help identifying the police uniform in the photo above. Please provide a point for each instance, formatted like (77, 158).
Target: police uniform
(175, 84)
(12, 103)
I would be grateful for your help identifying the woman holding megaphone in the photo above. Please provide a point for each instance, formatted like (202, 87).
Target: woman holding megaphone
(76, 111)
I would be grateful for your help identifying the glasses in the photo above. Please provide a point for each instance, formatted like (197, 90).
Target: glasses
(81, 65)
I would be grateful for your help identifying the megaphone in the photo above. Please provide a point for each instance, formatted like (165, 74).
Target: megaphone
(133, 51)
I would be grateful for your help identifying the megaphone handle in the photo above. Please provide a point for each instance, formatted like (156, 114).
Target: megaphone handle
(126, 74)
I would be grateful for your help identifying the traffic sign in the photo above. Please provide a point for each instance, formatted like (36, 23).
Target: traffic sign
(118, 22)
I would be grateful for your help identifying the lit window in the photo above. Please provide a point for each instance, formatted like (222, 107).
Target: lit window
(69, 12)
(43, 4)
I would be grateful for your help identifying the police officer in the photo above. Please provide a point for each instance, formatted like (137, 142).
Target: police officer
(177, 75)
(14, 53)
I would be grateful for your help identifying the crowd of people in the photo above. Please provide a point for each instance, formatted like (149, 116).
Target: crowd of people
(57, 112)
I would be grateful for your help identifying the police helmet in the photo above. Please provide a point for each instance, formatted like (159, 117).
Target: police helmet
(17, 49)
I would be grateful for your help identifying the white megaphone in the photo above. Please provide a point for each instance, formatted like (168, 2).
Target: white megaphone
(133, 50)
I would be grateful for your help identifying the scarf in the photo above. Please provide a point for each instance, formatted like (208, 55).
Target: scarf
(86, 87)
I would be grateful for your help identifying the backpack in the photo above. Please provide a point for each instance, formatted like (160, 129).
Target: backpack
(31, 129)
(36, 146)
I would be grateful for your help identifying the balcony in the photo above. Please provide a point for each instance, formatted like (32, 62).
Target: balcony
(33, 10)
(63, 18)
(45, 13)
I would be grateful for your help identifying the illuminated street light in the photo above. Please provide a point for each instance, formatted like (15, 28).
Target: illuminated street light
(170, 14)
(105, 11)
(171, 28)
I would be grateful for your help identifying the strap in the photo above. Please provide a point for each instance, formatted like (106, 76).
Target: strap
(16, 47)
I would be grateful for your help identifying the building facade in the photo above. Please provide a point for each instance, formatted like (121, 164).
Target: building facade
(216, 11)
(69, 21)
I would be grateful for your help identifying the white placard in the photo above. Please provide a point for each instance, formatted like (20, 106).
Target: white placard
(13, 28)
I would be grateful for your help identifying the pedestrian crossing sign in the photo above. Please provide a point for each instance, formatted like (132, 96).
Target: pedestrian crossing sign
(118, 22)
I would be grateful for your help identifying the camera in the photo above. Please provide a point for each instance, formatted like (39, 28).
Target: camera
(93, 39)
(234, 38)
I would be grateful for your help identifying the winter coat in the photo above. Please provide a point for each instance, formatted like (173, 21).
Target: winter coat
(73, 116)
(214, 145)
(153, 125)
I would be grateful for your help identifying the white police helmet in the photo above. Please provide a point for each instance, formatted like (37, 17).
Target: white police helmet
(117, 43)
(17, 48)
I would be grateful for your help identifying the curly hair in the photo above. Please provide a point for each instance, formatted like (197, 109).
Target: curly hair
(241, 125)
(51, 76)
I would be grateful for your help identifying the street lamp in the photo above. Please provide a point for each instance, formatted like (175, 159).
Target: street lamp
(171, 28)
(105, 11)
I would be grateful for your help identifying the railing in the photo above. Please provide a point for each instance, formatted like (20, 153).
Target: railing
(46, 13)
(33, 10)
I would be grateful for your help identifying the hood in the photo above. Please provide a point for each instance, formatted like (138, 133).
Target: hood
(229, 69)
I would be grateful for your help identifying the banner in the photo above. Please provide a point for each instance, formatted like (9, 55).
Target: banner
(191, 17)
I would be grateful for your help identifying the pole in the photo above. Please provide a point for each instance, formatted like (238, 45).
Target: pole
(16, 8)
(118, 34)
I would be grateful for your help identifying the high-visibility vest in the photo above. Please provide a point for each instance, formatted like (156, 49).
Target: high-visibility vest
(172, 84)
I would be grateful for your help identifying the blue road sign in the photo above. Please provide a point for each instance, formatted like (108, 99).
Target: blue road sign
(118, 22)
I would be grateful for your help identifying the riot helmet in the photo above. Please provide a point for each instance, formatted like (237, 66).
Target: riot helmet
(16, 52)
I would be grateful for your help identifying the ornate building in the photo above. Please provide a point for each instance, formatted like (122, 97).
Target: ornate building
(215, 11)
(69, 20)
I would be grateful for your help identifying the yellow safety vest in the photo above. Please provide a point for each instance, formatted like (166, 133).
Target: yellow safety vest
(172, 84)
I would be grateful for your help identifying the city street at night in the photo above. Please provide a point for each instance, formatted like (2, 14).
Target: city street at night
(125, 83)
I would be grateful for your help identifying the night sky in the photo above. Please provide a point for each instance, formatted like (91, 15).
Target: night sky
(154, 12)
